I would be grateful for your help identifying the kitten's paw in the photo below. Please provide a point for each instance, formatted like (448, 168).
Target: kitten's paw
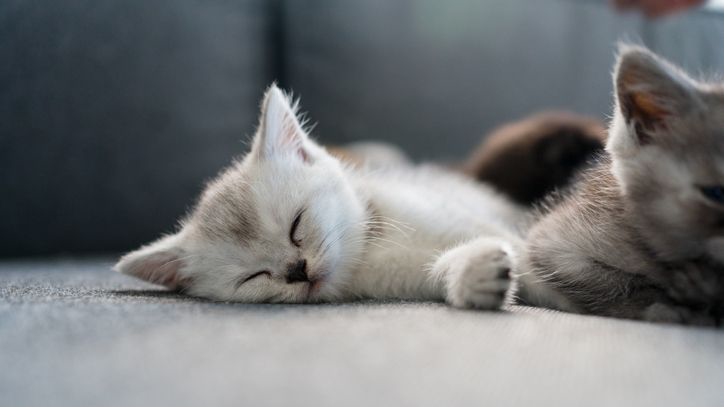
(476, 276)
(667, 313)
(692, 282)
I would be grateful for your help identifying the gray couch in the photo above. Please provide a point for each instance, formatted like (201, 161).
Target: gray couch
(113, 113)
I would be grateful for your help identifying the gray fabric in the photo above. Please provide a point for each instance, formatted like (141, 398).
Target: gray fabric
(434, 76)
(75, 334)
(113, 113)
(693, 41)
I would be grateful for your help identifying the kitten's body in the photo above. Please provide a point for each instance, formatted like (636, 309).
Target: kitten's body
(423, 211)
(291, 223)
(586, 254)
(640, 234)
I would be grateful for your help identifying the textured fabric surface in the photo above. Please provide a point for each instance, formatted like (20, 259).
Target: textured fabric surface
(73, 333)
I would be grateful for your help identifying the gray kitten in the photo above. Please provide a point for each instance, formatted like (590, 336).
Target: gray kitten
(640, 235)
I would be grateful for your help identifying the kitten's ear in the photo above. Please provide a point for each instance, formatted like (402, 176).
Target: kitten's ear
(158, 263)
(280, 131)
(650, 91)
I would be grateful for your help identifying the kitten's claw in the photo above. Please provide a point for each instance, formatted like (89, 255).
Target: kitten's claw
(476, 276)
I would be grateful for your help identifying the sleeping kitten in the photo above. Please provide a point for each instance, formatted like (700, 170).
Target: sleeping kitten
(641, 234)
(290, 223)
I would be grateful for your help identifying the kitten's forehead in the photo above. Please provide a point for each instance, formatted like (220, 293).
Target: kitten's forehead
(227, 208)
(698, 133)
(703, 144)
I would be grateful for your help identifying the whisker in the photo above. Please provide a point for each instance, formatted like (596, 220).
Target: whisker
(391, 220)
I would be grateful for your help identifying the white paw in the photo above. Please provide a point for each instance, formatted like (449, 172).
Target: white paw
(475, 277)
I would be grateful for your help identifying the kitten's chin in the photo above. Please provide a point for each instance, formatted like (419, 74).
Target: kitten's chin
(318, 290)
(314, 288)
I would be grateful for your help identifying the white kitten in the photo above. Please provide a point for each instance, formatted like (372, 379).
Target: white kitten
(290, 223)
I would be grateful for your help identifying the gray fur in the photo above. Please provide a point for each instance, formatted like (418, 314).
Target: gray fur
(635, 237)
(225, 208)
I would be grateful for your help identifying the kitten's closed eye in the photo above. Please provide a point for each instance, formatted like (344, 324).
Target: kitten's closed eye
(713, 193)
(253, 276)
(296, 241)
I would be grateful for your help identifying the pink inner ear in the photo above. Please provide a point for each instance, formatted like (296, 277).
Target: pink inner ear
(291, 136)
(303, 154)
(160, 268)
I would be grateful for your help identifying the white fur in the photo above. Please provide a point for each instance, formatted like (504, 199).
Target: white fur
(434, 218)
(402, 232)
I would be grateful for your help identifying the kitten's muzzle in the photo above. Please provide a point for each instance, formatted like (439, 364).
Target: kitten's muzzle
(297, 272)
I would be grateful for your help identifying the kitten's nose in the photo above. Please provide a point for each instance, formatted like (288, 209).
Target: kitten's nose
(297, 272)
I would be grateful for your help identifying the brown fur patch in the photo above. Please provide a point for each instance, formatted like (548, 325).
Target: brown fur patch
(529, 158)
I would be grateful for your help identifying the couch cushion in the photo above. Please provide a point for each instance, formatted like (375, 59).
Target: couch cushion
(75, 334)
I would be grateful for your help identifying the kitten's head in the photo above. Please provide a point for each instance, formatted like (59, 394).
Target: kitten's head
(281, 225)
(667, 145)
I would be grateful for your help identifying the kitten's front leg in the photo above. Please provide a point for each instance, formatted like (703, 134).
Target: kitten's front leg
(695, 290)
(476, 274)
(671, 313)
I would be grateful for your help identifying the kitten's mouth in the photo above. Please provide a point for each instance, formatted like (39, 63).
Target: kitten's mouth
(314, 286)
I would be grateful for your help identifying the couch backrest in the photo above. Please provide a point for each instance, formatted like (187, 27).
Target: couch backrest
(432, 76)
(113, 113)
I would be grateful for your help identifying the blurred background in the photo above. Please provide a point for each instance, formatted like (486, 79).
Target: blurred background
(114, 113)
